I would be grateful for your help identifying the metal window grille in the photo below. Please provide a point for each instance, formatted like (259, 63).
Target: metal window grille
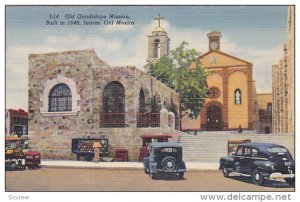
(112, 120)
(113, 106)
(60, 98)
(145, 120)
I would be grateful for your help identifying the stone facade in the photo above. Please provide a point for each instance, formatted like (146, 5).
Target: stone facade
(283, 88)
(87, 77)
(231, 98)
(291, 68)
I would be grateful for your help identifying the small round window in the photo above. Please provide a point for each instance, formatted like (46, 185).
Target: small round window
(214, 92)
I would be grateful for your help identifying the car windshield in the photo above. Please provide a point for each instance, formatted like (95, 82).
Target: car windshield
(277, 150)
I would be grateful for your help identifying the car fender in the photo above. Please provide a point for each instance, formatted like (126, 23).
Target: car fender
(227, 161)
(261, 165)
(182, 166)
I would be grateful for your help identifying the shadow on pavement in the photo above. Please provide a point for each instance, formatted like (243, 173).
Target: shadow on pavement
(168, 177)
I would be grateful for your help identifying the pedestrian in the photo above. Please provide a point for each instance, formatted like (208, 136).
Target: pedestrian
(96, 146)
(240, 130)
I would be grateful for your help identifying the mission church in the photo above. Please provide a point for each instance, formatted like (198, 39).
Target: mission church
(230, 103)
(231, 96)
(74, 94)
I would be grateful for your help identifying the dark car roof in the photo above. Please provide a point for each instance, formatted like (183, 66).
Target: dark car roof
(165, 144)
(261, 146)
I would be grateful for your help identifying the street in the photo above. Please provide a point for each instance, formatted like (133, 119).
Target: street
(74, 179)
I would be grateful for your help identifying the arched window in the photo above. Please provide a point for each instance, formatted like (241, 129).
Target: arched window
(113, 105)
(114, 98)
(237, 97)
(60, 98)
(154, 105)
(142, 101)
(156, 50)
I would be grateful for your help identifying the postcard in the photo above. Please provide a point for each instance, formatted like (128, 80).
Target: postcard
(150, 98)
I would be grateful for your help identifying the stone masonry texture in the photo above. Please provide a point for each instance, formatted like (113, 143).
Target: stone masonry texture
(51, 133)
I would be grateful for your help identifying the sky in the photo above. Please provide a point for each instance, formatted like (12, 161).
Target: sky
(253, 33)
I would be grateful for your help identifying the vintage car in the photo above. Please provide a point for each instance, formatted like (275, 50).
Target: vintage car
(164, 157)
(260, 161)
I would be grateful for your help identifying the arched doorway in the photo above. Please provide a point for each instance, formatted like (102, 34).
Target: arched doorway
(214, 118)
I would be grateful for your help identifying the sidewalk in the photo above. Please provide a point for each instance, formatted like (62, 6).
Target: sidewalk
(191, 166)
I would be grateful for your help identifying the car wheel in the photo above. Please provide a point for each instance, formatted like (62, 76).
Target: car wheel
(257, 178)
(225, 171)
(180, 175)
(153, 176)
(169, 163)
(290, 181)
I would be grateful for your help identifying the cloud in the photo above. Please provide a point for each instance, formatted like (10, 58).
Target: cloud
(66, 40)
(262, 60)
(131, 51)
(117, 28)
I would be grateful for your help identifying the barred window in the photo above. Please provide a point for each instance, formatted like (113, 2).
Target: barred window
(60, 98)
(114, 98)
(113, 103)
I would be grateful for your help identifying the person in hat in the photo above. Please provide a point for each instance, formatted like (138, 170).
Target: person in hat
(96, 146)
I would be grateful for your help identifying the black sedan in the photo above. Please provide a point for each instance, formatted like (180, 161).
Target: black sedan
(164, 157)
(260, 161)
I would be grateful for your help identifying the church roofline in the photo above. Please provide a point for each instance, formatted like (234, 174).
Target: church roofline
(226, 54)
(159, 29)
(214, 33)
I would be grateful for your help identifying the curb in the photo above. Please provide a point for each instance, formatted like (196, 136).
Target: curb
(94, 168)
(120, 166)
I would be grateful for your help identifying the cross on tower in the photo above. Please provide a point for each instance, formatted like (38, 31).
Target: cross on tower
(158, 18)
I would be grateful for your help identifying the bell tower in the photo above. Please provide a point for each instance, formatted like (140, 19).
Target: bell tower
(158, 42)
(214, 38)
